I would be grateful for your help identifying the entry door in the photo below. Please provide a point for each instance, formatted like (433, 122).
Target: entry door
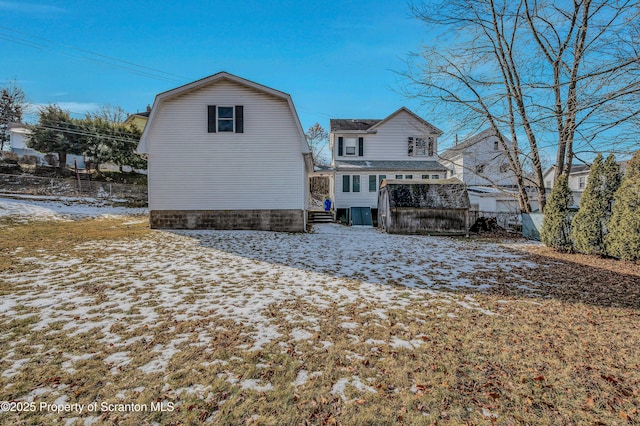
(361, 216)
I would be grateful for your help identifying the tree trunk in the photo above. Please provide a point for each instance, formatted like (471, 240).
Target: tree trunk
(62, 162)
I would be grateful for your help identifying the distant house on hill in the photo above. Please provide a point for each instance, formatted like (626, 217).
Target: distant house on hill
(139, 119)
(226, 153)
(18, 135)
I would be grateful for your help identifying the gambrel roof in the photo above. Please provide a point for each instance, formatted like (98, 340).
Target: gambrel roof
(206, 81)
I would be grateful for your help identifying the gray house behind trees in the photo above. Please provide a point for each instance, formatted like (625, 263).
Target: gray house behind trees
(435, 207)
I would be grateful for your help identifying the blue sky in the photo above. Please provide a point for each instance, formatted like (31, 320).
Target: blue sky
(337, 59)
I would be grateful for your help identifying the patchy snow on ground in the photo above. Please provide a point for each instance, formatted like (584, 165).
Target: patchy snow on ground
(34, 207)
(340, 387)
(241, 276)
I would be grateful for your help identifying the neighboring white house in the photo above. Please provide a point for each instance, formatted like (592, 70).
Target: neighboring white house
(366, 151)
(226, 153)
(578, 178)
(18, 133)
(481, 163)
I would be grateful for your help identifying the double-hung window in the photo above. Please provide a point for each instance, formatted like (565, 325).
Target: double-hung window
(356, 183)
(420, 147)
(346, 183)
(372, 183)
(225, 119)
(350, 146)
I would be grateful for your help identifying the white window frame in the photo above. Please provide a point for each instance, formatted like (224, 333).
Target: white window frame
(582, 182)
(350, 143)
(221, 119)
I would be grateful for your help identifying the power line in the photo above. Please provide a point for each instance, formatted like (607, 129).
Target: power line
(36, 42)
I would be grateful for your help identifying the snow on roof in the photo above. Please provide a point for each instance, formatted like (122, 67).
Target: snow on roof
(434, 194)
(390, 165)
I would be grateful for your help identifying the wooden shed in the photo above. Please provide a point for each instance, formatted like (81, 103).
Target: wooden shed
(432, 207)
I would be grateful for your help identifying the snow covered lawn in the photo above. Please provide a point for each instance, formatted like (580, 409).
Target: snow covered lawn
(343, 325)
(21, 207)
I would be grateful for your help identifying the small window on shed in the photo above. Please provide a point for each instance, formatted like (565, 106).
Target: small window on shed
(408, 176)
(435, 176)
(398, 176)
(381, 178)
(425, 176)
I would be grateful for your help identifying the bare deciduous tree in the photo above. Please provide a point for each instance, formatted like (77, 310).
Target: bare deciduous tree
(561, 74)
(317, 138)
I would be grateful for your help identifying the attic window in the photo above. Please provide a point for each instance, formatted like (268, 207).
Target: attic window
(495, 146)
(225, 119)
(480, 168)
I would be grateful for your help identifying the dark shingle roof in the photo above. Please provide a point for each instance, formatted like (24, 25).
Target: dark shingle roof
(342, 124)
(577, 168)
(384, 165)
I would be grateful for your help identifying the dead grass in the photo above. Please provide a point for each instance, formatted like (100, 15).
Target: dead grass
(566, 353)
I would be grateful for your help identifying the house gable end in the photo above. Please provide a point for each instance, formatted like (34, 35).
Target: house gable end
(203, 84)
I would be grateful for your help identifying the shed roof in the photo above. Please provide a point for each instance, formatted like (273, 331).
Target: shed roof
(433, 194)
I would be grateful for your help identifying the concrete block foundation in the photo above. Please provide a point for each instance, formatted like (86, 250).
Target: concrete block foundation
(261, 220)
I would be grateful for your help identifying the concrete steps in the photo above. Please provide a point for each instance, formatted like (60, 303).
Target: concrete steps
(320, 217)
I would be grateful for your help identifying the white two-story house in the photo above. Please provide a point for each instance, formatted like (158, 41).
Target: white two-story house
(366, 151)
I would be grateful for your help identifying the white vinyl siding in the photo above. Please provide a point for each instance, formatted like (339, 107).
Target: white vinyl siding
(390, 140)
(191, 169)
(480, 158)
